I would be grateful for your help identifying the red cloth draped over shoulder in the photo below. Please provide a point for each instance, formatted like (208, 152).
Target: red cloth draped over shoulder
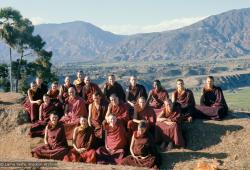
(147, 114)
(79, 87)
(32, 108)
(212, 104)
(187, 102)
(143, 146)
(57, 146)
(84, 139)
(64, 89)
(116, 141)
(53, 94)
(158, 98)
(37, 129)
(97, 117)
(167, 133)
(88, 92)
(76, 109)
(120, 111)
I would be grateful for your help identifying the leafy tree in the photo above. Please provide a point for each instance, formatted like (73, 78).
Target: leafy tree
(4, 83)
(18, 34)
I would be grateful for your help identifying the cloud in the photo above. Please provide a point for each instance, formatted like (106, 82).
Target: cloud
(162, 26)
(37, 20)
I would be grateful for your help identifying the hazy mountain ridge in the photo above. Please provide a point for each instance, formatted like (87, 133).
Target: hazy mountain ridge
(223, 35)
(218, 36)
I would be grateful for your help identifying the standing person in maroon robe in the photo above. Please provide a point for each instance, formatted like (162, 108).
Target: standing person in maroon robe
(212, 103)
(89, 89)
(63, 94)
(56, 146)
(185, 98)
(168, 129)
(42, 88)
(134, 91)
(32, 102)
(112, 87)
(117, 108)
(157, 95)
(143, 112)
(97, 111)
(142, 149)
(83, 139)
(115, 142)
(79, 83)
(74, 109)
(37, 129)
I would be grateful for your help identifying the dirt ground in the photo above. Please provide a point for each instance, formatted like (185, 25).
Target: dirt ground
(223, 143)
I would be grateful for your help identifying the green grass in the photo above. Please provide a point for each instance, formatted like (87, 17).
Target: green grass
(239, 99)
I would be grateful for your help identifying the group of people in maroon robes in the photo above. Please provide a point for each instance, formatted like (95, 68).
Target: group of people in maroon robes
(113, 126)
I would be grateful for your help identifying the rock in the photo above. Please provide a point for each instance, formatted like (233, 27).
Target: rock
(22, 117)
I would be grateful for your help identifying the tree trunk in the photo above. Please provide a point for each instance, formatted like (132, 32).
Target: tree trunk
(18, 70)
(11, 83)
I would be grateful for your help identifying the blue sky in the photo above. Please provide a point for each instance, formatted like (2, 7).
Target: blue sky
(124, 16)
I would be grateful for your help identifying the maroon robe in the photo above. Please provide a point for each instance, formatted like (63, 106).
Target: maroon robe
(167, 133)
(116, 141)
(32, 108)
(37, 129)
(64, 89)
(187, 102)
(79, 87)
(147, 114)
(54, 95)
(134, 93)
(158, 98)
(76, 109)
(143, 146)
(84, 139)
(54, 98)
(120, 111)
(97, 117)
(57, 146)
(212, 104)
(115, 89)
(88, 92)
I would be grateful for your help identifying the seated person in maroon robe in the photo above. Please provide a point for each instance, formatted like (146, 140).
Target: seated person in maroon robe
(56, 146)
(112, 87)
(142, 149)
(83, 139)
(63, 92)
(54, 97)
(74, 109)
(118, 108)
(212, 102)
(54, 92)
(157, 95)
(143, 112)
(37, 129)
(32, 102)
(115, 142)
(134, 91)
(168, 130)
(97, 111)
(185, 98)
(79, 83)
(89, 89)
(42, 88)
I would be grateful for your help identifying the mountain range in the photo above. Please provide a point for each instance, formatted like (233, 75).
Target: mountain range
(218, 36)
